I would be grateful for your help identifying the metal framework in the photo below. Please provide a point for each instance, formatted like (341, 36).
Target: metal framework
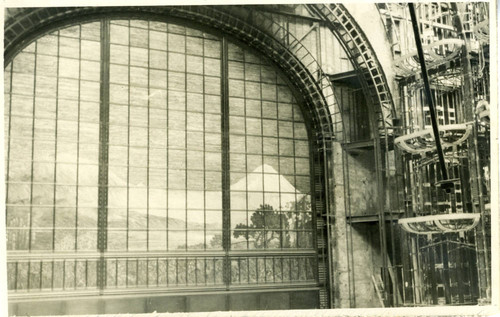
(291, 62)
(381, 110)
(364, 60)
(444, 233)
(106, 259)
(259, 31)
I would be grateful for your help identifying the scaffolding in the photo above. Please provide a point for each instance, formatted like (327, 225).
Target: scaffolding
(444, 234)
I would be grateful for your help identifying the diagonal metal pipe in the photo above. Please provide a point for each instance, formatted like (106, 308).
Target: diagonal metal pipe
(428, 96)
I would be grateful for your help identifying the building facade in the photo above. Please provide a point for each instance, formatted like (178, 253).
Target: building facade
(206, 158)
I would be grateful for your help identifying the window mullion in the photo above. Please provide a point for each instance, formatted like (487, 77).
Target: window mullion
(226, 180)
(103, 153)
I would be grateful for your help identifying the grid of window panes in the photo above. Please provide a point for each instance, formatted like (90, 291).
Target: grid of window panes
(165, 138)
(269, 159)
(52, 94)
(165, 162)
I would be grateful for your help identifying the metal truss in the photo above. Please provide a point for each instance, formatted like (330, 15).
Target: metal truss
(364, 60)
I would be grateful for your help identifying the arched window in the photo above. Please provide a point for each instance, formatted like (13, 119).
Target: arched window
(152, 156)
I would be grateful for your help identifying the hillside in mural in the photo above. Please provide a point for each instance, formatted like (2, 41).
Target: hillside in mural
(57, 223)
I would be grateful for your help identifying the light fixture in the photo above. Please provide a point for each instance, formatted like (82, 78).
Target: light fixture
(423, 141)
(442, 223)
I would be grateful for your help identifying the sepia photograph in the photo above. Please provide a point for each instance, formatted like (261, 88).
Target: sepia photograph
(250, 158)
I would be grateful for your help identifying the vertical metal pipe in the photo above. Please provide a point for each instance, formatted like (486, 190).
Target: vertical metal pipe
(328, 172)
(446, 271)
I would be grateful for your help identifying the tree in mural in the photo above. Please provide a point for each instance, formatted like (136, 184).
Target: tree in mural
(300, 216)
(264, 229)
(269, 226)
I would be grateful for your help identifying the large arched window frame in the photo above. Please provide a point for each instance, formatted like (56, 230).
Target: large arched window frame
(95, 120)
